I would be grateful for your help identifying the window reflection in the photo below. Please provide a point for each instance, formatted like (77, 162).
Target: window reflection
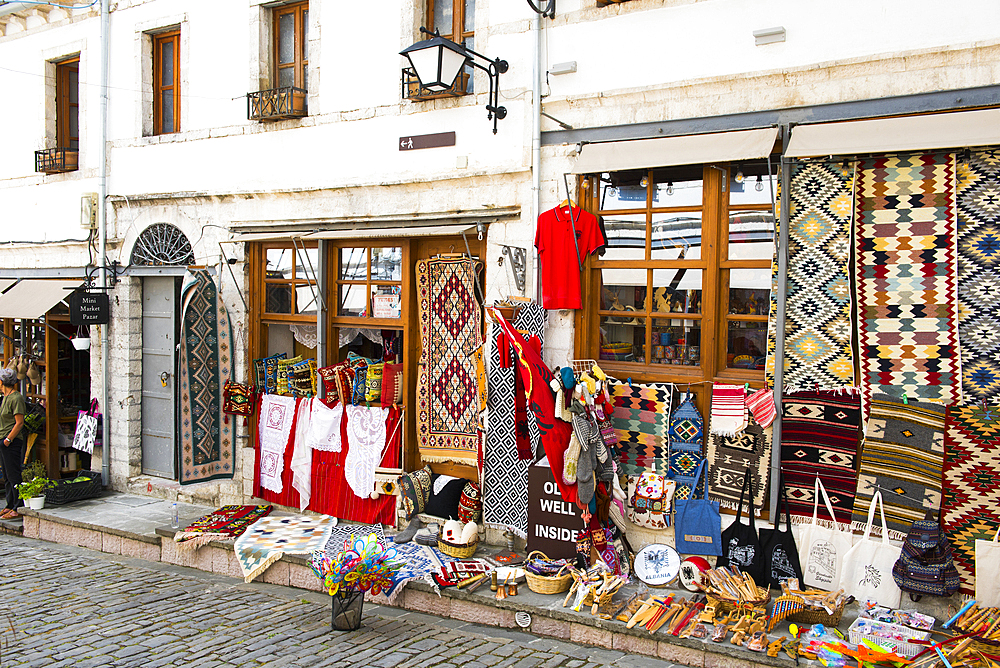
(751, 235)
(677, 290)
(676, 342)
(353, 264)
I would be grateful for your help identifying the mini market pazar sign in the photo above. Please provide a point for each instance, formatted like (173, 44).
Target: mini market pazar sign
(89, 308)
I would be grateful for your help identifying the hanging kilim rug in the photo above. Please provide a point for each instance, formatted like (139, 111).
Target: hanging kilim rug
(818, 353)
(223, 524)
(420, 562)
(729, 457)
(819, 438)
(641, 418)
(505, 477)
(271, 537)
(971, 504)
(978, 202)
(901, 457)
(450, 332)
(206, 363)
(906, 273)
(686, 433)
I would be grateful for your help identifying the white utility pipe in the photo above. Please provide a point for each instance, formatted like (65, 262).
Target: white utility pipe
(536, 143)
(102, 227)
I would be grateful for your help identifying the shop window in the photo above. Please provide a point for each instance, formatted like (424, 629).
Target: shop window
(166, 82)
(681, 291)
(289, 280)
(369, 282)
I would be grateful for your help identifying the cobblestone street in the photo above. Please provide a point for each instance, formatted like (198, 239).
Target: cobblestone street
(68, 606)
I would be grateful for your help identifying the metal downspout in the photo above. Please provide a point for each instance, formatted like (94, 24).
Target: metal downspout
(102, 226)
(779, 318)
(536, 144)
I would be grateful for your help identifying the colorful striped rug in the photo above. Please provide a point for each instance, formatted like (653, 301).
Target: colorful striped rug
(906, 275)
(979, 275)
(641, 417)
(902, 457)
(970, 508)
(819, 438)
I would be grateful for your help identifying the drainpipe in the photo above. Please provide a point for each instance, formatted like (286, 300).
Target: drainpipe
(779, 320)
(102, 226)
(536, 143)
(11, 7)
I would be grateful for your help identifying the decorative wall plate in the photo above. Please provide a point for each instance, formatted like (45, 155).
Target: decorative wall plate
(657, 565)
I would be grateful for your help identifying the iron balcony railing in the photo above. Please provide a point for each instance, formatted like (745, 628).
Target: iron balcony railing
(412, 90)
(57, 160)
(277, 104)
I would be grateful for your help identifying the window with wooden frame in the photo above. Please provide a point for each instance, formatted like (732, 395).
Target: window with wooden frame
(167, 82)
(290, 287)
(681, 292)
(455, 20)
(68, 104)
(290, 25)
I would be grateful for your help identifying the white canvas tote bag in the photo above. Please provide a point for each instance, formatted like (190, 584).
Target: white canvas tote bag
(987, 568)
(867, 572)
(822, 549)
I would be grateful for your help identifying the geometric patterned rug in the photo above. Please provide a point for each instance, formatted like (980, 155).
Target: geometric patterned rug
(222, 524)
(271, 537)
(641, 418)
(971, 504)
(906, 276)
(818, 352)
(902, 457)
(730, 457)
(505, 477)
(420, 562)
(819, 439)
(978, 202)
(205, 364)
(450, 332)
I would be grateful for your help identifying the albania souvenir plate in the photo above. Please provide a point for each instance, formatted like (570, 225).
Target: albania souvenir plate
(657, 565)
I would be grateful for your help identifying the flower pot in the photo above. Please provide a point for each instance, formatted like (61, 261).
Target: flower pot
(347, 606)
(36, 502)
(81, 343)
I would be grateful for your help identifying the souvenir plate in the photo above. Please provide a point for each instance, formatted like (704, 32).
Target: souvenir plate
(693, 571)
(657, 565)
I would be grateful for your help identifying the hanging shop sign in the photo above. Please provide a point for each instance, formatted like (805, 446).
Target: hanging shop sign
(89, 308)
(436, 140)
(552, 522)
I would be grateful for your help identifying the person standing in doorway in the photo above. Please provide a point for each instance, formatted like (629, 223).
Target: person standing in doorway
(12, 410)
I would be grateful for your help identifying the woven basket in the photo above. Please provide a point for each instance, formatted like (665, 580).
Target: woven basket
(811, 615)
(725, 605)
(459, 551)
(547, 584)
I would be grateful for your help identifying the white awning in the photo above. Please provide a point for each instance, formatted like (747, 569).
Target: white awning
(670, 151)
(32, 298)
(889, 135)
(264, 236)
(393, 232)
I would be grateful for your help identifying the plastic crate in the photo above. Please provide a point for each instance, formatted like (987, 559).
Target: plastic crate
(68, 492)
(899, 643)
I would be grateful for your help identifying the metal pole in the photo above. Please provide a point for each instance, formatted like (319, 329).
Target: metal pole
(102, 226)
(779, 319)
(321, 306)
(536, 143)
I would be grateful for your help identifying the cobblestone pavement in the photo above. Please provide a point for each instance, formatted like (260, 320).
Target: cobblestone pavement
(68, 606)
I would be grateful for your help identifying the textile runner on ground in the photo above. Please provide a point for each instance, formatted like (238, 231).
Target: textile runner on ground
(818, 352)
(906, 276)
(222, 524)
(421, 562)
(205, 364)
(978, 202)
(902, 456)
(447, 403)
(271, 537)
(971, 504)
(729, 457)
(641, 418)
(819, 438)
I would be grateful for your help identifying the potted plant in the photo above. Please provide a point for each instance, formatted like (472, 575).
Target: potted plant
(33, 489)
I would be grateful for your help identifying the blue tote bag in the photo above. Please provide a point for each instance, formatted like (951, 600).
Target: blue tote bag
(697, 522)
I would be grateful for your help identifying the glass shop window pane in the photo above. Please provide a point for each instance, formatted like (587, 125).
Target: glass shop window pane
(751, 235)
(623, 191)
(286, 38)
(676, 236)
(278, 298)
(352, 301)
(304, 259)
(386, 301)
(676, 342)
(387, 264)
(305, 302)
(443, 13)
(167, 111)
(353, 264)
(470, 15)
(746, 345)
(74, 85)
(755, 189)
(286, 76)
(626, 237)
(279, 262)
(167, 63)
(677, 290)
(305, 34)
(749, 291)
(623, 290)
(677, 187)
(623, 339)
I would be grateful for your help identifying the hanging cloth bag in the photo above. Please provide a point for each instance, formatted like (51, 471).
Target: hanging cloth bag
(740, 542)
(925, 565)
(778, 551)
(987, 568)
(87, 425)
(867, 572)
(823, 547)
(697, 523)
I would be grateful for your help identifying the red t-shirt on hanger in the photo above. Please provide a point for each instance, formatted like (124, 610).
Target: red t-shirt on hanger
(557, 254)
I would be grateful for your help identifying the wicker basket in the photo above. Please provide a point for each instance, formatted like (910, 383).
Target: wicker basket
(725, 605)
(810, 615)
(547, 584)
(458, 550)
